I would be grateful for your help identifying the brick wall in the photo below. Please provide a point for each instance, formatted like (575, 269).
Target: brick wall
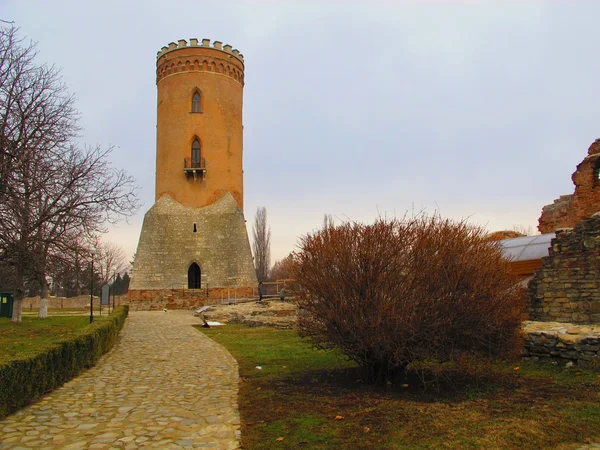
(218, 77)
(158, 299)
(568, 210)
(567, 286)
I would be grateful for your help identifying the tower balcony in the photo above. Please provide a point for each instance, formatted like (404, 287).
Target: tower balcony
(195, 167)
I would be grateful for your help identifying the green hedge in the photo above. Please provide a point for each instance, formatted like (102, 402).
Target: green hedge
(24, 380)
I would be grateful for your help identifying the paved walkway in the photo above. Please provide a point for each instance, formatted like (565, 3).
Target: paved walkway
(164, 385)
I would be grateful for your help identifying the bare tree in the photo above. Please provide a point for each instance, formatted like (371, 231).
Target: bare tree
(282, 269)
(70, 271)
(54, 195)
(36, 111)
(110, 261)
(261, 244)
(525, 230)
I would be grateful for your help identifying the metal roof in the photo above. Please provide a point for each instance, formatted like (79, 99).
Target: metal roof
(527, 247)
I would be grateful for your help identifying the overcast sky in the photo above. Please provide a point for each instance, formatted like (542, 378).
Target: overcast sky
(478, 109)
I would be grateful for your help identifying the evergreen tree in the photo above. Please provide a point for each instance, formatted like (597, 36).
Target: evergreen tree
(117, 285)
(126, 281)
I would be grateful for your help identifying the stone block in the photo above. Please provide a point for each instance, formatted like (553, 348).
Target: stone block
(569, 339)
(580, 318)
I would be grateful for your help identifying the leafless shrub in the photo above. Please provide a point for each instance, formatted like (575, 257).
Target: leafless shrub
(423, 291)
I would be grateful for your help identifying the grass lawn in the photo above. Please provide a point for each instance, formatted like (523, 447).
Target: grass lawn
(305, 398)
(34, 334)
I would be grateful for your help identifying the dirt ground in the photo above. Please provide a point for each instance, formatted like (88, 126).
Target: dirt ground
(271, 313)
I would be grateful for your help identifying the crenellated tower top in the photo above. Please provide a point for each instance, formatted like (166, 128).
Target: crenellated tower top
(200, 56)
(217, 45)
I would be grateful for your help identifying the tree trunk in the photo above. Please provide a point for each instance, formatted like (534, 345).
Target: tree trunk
(19, 295)
(43, 310)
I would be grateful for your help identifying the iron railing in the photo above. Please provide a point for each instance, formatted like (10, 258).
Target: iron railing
(194, 163)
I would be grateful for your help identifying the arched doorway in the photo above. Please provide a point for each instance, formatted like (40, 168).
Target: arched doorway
(194, 276)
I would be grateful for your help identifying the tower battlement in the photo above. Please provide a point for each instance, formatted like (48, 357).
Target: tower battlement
(205, 43)
(195, 56)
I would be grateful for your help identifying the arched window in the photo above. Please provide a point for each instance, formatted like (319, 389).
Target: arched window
(196, 103)
(196, 153)
(194, 276)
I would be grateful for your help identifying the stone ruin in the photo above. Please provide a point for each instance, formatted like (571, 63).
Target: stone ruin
(565, 299)
(564, 293)
(567, 286)
(568, 210)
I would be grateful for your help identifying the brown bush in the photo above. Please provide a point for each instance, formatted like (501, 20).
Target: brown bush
(423, 291)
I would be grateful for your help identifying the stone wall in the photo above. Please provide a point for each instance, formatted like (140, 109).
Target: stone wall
(567, 286)
(571, 344)
(568, 210)
(175, 236)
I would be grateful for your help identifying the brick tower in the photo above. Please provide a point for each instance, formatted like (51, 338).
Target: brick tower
(194, 240)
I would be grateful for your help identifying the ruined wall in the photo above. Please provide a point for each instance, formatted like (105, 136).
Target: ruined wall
(175, 236)
(567, 286)
(567, 210)
(565, 344)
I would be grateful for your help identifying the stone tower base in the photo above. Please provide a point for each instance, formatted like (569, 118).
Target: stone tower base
(174, 237)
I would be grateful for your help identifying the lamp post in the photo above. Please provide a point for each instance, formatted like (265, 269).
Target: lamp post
(92, 252)
(113, 289)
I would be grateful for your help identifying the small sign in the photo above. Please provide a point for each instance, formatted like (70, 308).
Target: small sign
(3, 299)
(105, 300)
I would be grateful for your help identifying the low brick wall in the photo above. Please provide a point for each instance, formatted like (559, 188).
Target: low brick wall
(563, 343)
(567, 286)
(157, 299)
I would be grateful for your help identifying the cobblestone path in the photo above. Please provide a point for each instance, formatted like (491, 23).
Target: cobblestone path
(164, 385)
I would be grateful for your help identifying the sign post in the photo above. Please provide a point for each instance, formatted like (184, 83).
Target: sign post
(105, 299)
